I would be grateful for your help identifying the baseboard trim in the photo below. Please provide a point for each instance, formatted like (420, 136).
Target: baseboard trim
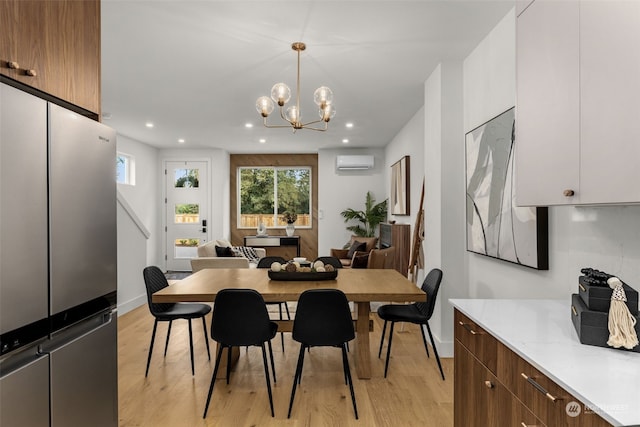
(132, 304)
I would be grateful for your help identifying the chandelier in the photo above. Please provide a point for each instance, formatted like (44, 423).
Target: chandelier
(281, 94)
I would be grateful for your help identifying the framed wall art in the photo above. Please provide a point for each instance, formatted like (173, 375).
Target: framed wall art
(496, 227)
(400, 187)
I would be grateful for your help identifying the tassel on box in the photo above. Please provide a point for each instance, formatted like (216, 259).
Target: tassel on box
(621, 322)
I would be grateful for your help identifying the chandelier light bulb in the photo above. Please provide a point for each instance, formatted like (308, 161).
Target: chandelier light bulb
(327, 113)
(293, 115)
(322, 96)
(264, 105)
(280, 93)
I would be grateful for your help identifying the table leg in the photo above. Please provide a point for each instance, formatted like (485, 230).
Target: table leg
(363, 352)
(235, 355)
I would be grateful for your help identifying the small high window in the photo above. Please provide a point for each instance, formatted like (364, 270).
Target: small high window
(125, 169)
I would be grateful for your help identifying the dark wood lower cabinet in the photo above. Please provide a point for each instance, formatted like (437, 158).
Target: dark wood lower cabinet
(480, 399)
(494, 386)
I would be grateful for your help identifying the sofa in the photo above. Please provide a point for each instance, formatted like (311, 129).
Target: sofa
(346, 256)
(208, 257)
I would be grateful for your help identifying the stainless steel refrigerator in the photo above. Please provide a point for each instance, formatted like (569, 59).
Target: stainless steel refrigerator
(58, 345)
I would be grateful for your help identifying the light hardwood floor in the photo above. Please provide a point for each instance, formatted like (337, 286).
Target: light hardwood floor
(413, 394)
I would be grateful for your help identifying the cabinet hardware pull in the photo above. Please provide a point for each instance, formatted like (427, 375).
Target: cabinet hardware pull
(489, 384)
(31, 73)
(539, 387)
(13, 65)
(568, 193)
(575, 313)
(523, 424)
(582, 288)
(468, 328)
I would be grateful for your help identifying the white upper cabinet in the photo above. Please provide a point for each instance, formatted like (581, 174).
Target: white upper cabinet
(577, 113)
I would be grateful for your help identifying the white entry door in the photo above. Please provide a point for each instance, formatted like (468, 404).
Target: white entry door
(187, 211)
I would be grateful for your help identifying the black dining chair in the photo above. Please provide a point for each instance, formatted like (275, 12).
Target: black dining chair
(323, 319)
(418, 313)
(154, 281)
(266, 262)
(331, 260)
(240, 319)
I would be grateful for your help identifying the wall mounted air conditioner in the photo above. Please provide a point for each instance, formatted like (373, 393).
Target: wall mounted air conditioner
(354, 162)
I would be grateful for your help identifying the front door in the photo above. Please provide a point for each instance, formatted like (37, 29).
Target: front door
(187, 211)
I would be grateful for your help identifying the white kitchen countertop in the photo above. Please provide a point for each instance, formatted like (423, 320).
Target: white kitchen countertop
(540, 331)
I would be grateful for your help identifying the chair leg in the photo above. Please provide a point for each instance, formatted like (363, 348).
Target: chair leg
(424, 340)
(266, 376)
(273, 365)
(296, 378)
(286, 307)
(206, 337)
(228, 363)
(282, 333)
(386, 363)
(166, 344)
(433, 344)
(384, 330)
(213, 380)
(193, 371)
(153, 338)
(347, 373)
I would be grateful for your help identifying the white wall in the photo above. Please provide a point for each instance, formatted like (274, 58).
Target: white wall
(339, 190)
(135, 251)
(408, 142)
(606, 238)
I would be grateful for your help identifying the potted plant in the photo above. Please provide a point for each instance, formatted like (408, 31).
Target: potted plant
(369, 219)
(290, 218)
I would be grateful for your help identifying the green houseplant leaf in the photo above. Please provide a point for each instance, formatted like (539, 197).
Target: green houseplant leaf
(369, 219)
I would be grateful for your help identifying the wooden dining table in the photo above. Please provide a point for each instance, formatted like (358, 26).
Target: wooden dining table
(361, 286)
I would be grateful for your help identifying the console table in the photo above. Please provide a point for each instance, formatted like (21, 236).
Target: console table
(273, 241)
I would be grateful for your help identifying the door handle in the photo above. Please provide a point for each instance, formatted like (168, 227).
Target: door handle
(204, 229)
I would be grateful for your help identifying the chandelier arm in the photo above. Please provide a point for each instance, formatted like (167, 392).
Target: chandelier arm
(314, 122)
(316, 129)
(264, 123)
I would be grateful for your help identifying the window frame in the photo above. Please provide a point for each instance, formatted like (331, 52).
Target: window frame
(129, 169)
(275, 195)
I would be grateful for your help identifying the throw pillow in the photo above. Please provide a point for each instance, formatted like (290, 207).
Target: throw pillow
(360, 261)
(224, 251)
(223, 243)
(356, 246)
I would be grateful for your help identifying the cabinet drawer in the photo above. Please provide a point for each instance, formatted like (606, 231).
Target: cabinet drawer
(546, 399)
(480, 343)
(521, 416)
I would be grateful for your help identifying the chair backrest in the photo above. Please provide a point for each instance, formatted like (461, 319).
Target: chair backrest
(268, 260)
(240, 318)
(155, 280)
(323, 318)
(430, 286)
(381, 258)
(331, 260)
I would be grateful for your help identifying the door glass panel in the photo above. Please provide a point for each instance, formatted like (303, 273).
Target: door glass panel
(187, 213)
(186, 248)
(187, 178)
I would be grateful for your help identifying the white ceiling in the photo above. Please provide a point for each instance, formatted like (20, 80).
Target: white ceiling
(196, 68)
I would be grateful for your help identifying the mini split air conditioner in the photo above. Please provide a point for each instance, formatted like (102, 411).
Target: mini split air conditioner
(354, 162)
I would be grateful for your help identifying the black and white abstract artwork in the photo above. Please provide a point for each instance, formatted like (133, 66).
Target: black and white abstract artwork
(496, 227)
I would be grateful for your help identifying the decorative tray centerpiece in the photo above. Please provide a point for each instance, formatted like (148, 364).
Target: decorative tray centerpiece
(294, 271)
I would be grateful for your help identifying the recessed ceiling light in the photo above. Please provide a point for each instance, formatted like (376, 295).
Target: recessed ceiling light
(345, 141)
(181, 141)
(149, 124)
(262, 140)
(248, 125)
(349, 125)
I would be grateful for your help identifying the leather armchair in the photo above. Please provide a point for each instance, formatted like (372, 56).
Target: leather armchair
(342, 254)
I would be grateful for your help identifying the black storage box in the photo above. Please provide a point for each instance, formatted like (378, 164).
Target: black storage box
(598, 298)
(593, 326)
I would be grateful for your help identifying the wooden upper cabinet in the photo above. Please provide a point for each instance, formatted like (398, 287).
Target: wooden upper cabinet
(55, 46)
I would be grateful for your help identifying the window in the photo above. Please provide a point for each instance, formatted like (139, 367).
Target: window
(125, 169)
(266, 193)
